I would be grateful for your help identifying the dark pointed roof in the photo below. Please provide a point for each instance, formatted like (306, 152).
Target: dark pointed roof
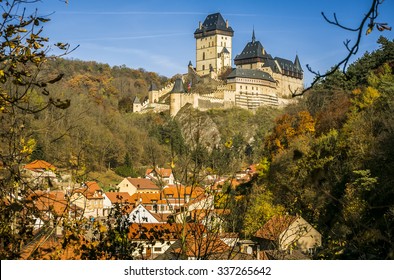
(153, 87)
(250, 73)
(297, 63)
(286, 64)
(136, 100)
(212, 23)
(253, 50)
(178, 86)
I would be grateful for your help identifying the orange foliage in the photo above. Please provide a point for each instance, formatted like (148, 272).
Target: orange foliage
(287, 128)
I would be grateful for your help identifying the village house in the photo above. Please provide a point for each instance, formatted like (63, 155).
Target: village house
(288, 234)
(90, 198)
(160, 176)
(142, 215)
(199, 209)
(168, 200)
(113, 199)
(137, 185)
(40, 172)
(51, 207)
(154, 239)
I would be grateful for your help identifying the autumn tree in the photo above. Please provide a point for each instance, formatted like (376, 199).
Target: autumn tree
(24, 51)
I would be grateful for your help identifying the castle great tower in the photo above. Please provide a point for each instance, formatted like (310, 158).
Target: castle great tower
(213, 45)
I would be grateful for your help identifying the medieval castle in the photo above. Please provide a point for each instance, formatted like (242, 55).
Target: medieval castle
(258, 79)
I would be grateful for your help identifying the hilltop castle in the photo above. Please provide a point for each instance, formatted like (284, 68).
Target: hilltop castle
(258, 79)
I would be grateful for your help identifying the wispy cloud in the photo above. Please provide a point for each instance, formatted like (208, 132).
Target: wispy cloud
(131, 37)
(164, 13)
(135, 57)
(129, 13)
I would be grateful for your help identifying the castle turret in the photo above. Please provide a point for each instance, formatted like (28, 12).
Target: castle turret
(176, 97)
(297, 66)
(153, 93)
(213, 45)
(137, 106)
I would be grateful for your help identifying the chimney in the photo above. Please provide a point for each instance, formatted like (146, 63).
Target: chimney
(200, 25)
(226, 23)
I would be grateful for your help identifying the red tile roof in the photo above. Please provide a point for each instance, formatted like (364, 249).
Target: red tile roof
(152, 231)
(203, 247)
(91, 191)
(163, 172)
(143, 184)
(118, 197)
(181, 191)
(146, 198)
(53, 201)
(275, 226)
(39, 164)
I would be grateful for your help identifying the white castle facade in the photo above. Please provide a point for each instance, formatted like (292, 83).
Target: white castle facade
(257, 80)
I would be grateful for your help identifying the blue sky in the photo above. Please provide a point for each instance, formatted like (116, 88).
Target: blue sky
(158, 35)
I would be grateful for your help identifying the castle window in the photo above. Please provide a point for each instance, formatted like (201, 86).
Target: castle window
(203, 67)
(203, 56)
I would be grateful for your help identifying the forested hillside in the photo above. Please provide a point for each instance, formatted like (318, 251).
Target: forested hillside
(331, 160)
(98, 132)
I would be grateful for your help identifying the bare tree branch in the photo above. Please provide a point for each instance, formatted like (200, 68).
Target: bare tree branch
(368, 21)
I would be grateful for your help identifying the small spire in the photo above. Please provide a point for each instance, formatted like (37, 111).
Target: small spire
(253, 37)
(297, 63)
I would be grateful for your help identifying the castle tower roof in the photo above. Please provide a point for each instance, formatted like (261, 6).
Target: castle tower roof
(213, 24)
(291, 68)
(297, 63)
(153, 87)
(136, 100)
(253, 50)
(178, 86)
